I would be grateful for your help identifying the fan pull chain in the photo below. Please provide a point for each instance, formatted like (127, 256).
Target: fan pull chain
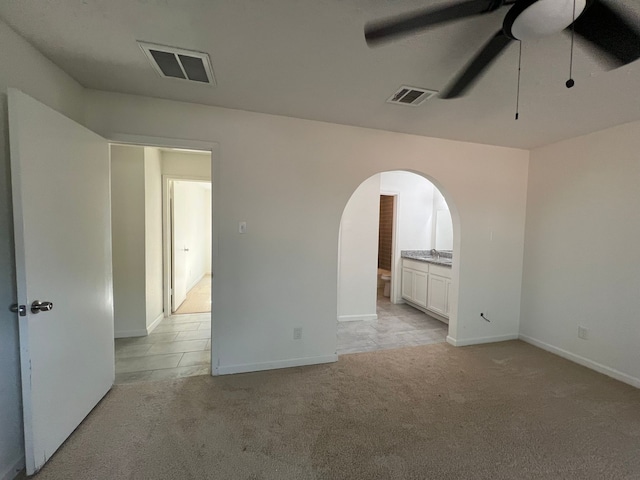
(570, 83)
(518, 94)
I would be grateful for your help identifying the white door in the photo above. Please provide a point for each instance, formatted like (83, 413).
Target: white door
(180, 249)
(62, 221)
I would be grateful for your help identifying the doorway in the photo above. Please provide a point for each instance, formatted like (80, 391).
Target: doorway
(189, 242)
(153, 340)
(385, 232)
(393, 215)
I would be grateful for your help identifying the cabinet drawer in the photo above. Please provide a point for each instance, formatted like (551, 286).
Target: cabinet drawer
(415, 265)
(440, 270)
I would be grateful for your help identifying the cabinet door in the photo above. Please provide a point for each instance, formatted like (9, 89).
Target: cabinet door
(437, 294)
(407, 283)
(420, 288)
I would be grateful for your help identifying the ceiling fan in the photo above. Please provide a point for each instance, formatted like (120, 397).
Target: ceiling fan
(602, 26)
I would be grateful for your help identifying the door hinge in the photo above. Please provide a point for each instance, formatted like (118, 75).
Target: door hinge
(19, 309)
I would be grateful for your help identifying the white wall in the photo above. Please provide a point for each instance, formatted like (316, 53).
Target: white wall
(136, 204)
(188, 164)
(25, 68)
(441, 223)
(414, 212)
(128, 240)
(358, 257)
(153, 236)
(290, 180)
(581, 252)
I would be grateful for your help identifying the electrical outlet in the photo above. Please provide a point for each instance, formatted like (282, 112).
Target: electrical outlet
(583, 332)
(297, 333)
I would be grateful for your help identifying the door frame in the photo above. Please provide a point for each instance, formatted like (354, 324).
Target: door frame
(167, 238)
(214, 148)
(395, 294)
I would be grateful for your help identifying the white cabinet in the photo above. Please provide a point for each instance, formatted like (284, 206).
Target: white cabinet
(427, 286)
(420, 280)
(437, 295)
(414, 282)
(407, 283)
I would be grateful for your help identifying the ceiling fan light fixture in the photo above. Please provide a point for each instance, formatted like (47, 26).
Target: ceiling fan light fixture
(539, 18)
(614, 33)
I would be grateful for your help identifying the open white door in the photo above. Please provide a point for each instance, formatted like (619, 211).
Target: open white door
(62, 218)
(180, 249)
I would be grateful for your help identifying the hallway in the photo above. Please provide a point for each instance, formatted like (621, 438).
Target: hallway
(179, 347)
(198, 298)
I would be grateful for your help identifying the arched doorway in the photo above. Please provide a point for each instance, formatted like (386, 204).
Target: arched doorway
(395, 257)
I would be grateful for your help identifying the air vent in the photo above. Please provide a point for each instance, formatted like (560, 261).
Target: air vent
(171, 62)
(411, 96)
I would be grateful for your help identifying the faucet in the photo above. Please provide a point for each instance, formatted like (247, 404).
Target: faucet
(435, 253)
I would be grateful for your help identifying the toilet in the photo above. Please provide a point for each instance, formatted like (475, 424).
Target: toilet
(386, 278)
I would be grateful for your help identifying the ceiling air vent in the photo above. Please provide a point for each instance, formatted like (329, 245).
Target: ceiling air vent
(171, 62)
(411, 96)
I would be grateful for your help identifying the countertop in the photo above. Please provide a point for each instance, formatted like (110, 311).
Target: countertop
(444, 258)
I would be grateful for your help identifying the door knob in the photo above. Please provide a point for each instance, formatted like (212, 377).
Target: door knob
(185, 249)
(37, 306)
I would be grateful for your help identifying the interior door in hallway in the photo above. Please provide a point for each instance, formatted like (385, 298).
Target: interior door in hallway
(62, 219)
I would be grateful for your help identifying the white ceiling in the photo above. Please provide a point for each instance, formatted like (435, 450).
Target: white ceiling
(308, 59)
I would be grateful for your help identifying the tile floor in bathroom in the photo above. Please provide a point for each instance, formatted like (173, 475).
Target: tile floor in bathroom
(180, 346)
(397, 326)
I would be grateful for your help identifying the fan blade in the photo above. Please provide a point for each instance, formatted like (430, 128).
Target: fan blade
(609, 32)
(377, 32)
(475, 68)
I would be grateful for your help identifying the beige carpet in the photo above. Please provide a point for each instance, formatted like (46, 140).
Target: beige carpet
(501, 411)
(198, 298)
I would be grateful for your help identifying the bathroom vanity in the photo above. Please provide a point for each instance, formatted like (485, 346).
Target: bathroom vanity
(426, 282)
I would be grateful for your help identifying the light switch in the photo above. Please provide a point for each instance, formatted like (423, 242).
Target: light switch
(242, 227)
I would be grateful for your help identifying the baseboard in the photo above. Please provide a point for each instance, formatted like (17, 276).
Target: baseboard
(357, 318)
(142, 332)
(464, 342)
(257, 367)
(13, 471)
(585, 362)
(155, 323)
